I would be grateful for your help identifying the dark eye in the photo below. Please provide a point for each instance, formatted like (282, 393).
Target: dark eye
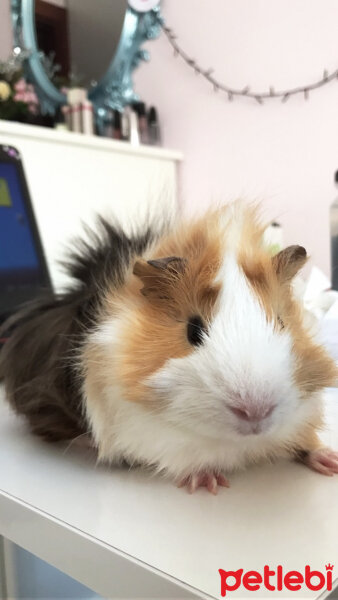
(195, 329)
(281, 322)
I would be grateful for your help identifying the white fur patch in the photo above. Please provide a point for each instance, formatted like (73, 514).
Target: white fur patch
(105, 334)
(243, 357)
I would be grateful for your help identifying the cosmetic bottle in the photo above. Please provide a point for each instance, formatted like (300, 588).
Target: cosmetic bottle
(66, 113)
(154, 127)
(125, 123)
(75, 98)
(117, 135)
(76, 120)
(108, 124)
(134, 131)
(87, 117)
(140, 109)
(334, 238)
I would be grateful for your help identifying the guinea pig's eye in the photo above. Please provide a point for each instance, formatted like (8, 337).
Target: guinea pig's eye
(281, 322)
(195, 329)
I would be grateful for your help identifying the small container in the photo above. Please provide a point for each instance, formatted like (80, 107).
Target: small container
(134, 131)
(140, 109)
(108, 125)
(334, 238)
(75, 98)
(154, 127)
(125, 123)
(76, 118)
(76, 95)
(66, 113)
(87, 116)
(117, 134)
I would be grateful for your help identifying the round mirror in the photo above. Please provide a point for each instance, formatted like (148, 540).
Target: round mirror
(78, 37)
(95, 44)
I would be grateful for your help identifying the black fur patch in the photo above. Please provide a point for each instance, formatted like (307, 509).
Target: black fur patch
(38, 363)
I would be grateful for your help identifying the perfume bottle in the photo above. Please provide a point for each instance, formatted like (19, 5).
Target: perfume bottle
(154, 127)
(117, 135)
(140, 109)
(134, 130)
(334, 238)
(125, 123)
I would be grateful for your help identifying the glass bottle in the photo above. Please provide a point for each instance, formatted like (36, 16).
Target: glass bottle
(334, 238)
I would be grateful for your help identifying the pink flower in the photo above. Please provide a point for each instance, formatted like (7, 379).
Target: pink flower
(19, 97)
(31, 98)
(25, 92)
(20, 85)
(27, 97)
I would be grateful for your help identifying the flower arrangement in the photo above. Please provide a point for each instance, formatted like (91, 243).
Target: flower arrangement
(18, 100)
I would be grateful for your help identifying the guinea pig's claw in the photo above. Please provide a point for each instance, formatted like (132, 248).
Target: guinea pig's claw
(323, 460)
(210, 480)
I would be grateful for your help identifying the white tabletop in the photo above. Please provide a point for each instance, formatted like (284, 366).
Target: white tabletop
(124, 534)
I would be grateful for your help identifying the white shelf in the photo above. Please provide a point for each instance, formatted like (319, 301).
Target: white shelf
(35, 132)
(126, 534)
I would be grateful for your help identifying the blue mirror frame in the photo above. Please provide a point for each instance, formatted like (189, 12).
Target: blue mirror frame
(115, 89)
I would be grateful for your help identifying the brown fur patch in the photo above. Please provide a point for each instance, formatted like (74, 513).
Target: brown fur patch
(260, 274)
(158, 303)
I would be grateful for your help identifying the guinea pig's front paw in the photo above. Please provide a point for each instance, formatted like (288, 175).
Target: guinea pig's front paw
(208, 479)
(323, 460)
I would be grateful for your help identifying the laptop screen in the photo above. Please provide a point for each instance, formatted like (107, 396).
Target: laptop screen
(23, 268)
(19, 260)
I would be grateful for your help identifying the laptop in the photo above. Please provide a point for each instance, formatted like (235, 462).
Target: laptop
(23, 268)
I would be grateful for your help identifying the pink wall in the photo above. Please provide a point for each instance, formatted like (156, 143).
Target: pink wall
(5, 29)
(284, 154)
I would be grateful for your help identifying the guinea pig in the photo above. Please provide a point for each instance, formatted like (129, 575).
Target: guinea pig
(184, 351)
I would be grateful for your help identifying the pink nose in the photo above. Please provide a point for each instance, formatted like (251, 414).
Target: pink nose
(252, 412)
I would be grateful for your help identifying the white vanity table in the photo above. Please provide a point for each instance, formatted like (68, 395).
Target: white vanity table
(127, 535)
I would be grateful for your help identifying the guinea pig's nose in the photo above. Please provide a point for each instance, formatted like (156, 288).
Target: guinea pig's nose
(251, 411)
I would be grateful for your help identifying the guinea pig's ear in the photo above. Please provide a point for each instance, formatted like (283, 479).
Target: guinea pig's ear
(155, 273)
(175, 263)
(288, 262)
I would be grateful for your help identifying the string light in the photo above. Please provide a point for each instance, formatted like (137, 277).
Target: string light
(246, 92)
